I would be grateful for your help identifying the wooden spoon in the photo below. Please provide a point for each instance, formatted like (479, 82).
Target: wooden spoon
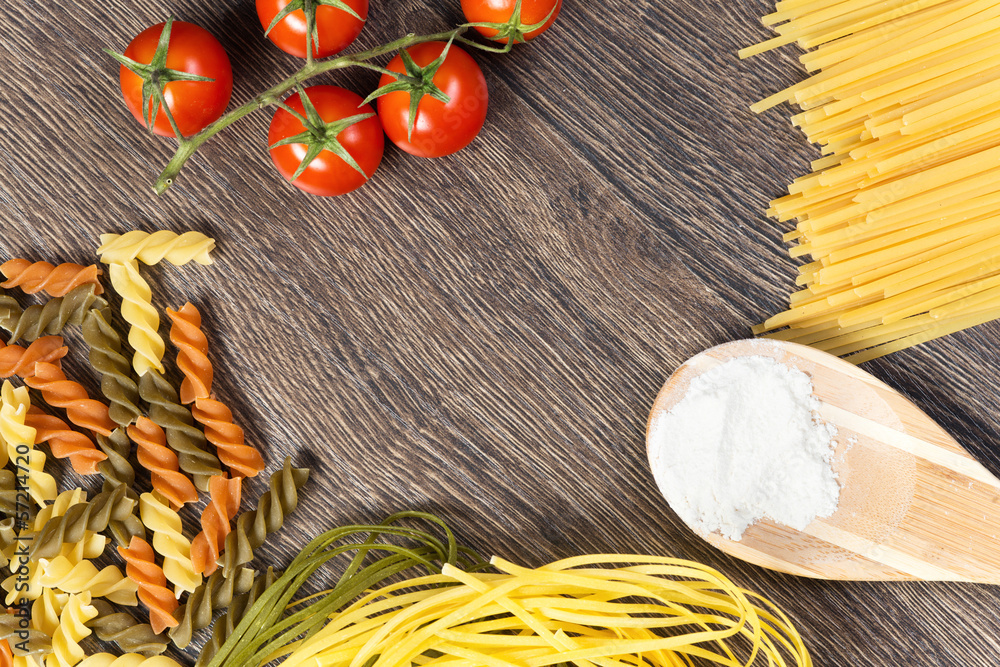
(913, 503)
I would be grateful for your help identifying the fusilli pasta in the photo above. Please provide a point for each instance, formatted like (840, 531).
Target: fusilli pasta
(64, 442)
(128, 660)
(229, 440)
(252, 527)
(20, 361)
(138, 311)
(182, 435)
(84, 577)
(169, 541)
(111, 504)
(217, 592)
(59, 392)
(141, 567)
(66, 650)
(34, 277)
(215, 523)
(123, 629)
(154, 455)
(192, 354)
(106, 357)
(153, 248)
(225, 624)
(19, 441)
(51, 317)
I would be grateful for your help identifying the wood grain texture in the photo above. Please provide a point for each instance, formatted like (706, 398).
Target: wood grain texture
(483, 335)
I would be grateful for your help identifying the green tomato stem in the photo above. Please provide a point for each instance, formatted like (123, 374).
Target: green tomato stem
(271, 97)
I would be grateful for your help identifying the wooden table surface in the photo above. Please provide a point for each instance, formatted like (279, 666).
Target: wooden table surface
(482, 335)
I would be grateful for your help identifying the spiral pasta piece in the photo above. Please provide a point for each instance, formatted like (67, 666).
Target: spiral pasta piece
(128, 660)
(64, 442)
(52, 316)
(45, 611)
(20, 443)
(169, 541)
(60, 392)
(215, 593)
(106, 357)
(118, 471)
(66, 650)
(182, 435)
(138, 311)
(192, 355)
(23, 642)
(141, 567)
(253, 527)
(230, 442)
(8, 498)
(20, 361)
(215, 523)
(34, 277)
(225, 624)
(161, 462)
(111, 504)
(84, 577)
(178, 249)
(123, 629)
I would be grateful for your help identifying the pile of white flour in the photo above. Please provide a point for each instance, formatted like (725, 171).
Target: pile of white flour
(744, 444)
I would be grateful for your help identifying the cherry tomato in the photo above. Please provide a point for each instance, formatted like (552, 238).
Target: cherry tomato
(194, 104)
(328, 174)
(440, 129)
(337, 28)
(500, 11)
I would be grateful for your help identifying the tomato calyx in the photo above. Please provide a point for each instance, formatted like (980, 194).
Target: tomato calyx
(320, 135)
(418, 81)
(308, 8)
(155, 76)
(513, 30)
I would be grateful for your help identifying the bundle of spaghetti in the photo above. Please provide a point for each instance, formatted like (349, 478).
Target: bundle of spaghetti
(217, 592)
(602, 609)
(216, 521)
(169, 541)
(899, 218)
(182, 435)
(93, 516)
(141, 567)
(20, 361)
(34, 277)
(18, 441)
(253, 526)
(178, 249)
(64, 442)
(192, 353)
(106, 357)
(154, 455)
(111, 625)
(138, 311)
(66, 649)
(60, 392)
(52, 316)
(84, 577)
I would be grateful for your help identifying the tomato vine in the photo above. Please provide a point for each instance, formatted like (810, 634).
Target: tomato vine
(187, 146)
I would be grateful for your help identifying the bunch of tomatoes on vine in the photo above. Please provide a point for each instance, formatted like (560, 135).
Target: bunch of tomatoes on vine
(431, 99)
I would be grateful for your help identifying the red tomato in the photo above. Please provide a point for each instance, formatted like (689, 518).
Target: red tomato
(328, 174)
(337, 28)
(194, 104)
(500, 11)
(440, 129)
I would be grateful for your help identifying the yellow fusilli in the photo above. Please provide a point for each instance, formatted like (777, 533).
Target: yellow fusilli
(128, 660)
(153, 248)
(19, 442)
(169, 541)
(63, 574)
(138, 311)
(66, 650)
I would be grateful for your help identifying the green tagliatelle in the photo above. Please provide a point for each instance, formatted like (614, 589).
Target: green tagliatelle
(607, 610)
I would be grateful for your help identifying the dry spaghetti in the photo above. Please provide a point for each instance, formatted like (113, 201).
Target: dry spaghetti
(899, 218)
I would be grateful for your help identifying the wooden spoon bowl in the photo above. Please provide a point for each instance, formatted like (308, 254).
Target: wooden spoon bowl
(913, 503)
